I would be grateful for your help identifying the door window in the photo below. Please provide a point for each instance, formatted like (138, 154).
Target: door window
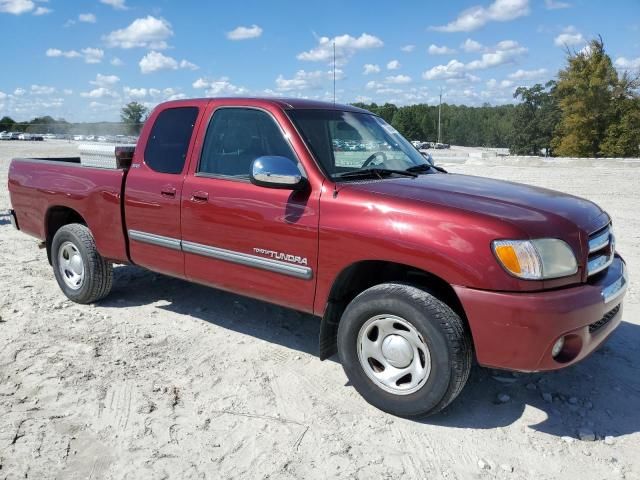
(236, 137)
(168, 142)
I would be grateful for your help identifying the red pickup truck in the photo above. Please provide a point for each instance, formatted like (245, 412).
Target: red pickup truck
(329, 210)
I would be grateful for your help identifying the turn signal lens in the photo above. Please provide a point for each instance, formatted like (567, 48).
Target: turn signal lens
(536, 259)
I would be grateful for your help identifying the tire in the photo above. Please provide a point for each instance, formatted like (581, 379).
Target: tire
(374, 321)
(81, 272)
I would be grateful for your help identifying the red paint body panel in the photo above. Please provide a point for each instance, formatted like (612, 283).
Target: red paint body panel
(441, 224)
(36, 186)
(517, 330)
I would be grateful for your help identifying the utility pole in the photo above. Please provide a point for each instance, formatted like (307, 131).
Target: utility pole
(439, 109)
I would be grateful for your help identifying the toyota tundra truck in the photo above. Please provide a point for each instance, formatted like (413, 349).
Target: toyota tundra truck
(327, 209)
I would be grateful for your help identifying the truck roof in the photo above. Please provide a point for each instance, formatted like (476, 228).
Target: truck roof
(281, 102)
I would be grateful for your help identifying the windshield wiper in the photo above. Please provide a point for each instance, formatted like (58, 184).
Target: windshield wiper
(374, 172)
(423, 167)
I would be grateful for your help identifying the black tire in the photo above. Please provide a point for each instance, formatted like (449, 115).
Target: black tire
(443, 331)
(98, 272)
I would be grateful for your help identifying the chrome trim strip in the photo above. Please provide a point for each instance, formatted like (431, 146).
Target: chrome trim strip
(598, 264)
(617, 288)
(248, 260)
(158, 240)
(599, 242)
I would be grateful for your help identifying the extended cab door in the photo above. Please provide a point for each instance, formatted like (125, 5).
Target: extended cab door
(241, 237)
(154, 187)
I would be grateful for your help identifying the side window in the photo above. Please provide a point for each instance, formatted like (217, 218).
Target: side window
(168, 142)
(236, 137)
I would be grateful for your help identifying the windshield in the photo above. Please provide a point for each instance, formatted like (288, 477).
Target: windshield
(347, 141)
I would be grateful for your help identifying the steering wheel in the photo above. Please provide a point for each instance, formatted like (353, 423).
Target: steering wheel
(372, 157)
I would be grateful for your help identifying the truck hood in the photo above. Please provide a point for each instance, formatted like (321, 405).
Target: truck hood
(537, 211)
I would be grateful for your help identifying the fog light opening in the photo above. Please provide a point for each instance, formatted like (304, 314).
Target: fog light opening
(557, 347)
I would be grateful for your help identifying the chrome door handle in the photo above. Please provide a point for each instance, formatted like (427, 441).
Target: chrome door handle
(200, 196)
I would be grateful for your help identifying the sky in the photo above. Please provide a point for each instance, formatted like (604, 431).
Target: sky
(82, 60)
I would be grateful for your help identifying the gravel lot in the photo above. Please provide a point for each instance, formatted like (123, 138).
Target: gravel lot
(165, 379)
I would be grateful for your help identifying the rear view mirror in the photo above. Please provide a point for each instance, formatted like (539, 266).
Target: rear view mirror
(276, 172)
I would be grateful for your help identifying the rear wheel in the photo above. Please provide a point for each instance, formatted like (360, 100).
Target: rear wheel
(405, 351)
(82, 273)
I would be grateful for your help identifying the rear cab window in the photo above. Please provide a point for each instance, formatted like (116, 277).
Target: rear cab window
(168, 141)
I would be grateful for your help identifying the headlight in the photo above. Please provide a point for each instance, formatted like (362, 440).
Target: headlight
(536, 259)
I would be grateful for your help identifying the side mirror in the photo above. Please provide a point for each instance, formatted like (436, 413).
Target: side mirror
(277, 172)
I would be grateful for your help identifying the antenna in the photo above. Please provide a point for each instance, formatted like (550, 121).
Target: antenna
(439, 109)
(334, 73)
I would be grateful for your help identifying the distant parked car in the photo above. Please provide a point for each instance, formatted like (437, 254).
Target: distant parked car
(24, 136)
(78, 138)
(5, 136)
(37, 137)
(15, 136)
(49, 136)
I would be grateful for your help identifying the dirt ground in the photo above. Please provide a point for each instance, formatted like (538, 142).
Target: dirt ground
(165, 379)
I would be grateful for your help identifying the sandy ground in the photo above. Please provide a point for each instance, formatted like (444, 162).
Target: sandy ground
(170, 380)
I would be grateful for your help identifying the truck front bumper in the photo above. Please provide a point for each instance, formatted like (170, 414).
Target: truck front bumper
(517, 331)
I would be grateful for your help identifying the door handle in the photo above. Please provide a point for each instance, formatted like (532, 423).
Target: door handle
(199, 196)
(168, 191)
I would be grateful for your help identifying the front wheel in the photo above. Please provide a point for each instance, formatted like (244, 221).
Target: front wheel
(82, 273)
(405, 351)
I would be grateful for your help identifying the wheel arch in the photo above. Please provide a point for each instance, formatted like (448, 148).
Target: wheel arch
(58, 216)
(362, 275)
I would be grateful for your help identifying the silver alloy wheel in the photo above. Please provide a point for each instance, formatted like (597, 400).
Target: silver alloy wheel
(393, 354)
(71, 265)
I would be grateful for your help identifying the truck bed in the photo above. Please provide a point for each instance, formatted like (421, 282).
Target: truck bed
(46, 188)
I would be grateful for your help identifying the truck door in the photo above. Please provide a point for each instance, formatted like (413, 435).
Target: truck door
(154, 187)
(241, 237)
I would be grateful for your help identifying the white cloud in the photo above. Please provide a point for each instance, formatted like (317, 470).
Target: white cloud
(346, 47)
(100, 92)
(136, 93)
(624, 63)
(398, 79)
(408, 48)
(148, 32)
(90, 55)
(67, 91)
(505, 52)
(42, 90)
(87, 18)
(453, 69)
(16, 7)
(244, 33)
(19, 92)
(393, 65)
(527, 74)
(569, 37)
(478, 16)
(56, 52)
(471, 46)
(117, 4)
(42, 11)
(116, 62)
(371, 68)
(440, 50)
(155, 61)
(105, 80)
(220, 86)
(304, 80)
(555, 4)
(3, 95)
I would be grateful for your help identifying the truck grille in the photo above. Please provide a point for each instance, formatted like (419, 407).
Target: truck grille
(601, 250)
(604, 320)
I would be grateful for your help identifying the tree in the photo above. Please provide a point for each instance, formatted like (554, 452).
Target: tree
(622, 138)
(535, 119)
(133, 115)
(6, 123)
(585, 96)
